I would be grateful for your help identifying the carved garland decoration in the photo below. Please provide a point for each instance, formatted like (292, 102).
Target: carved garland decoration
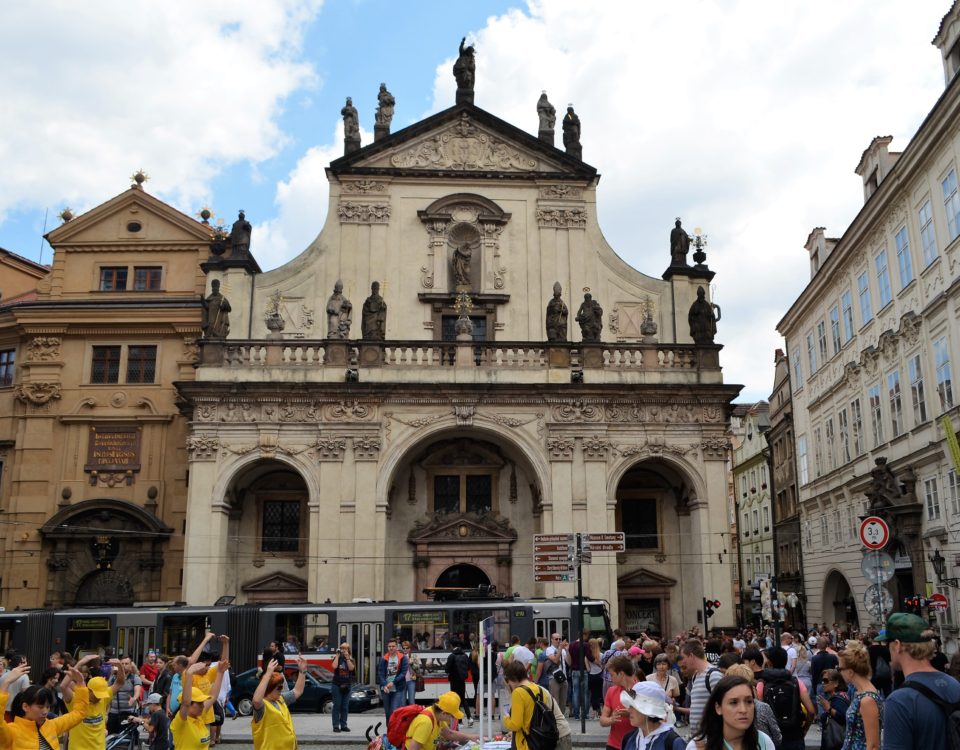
(38, 393)
(363, 213)
(562, 218)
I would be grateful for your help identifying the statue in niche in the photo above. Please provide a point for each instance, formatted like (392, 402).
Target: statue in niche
(590, 318)
(571, 134)
(216, 313)
(373, 320)
(465, 70)
(339, 314)
(679, 245)
(462, 255)
(703, 319)
(240, 237)
(557, 314)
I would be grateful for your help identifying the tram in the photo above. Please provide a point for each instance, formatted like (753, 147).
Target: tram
(310, 629)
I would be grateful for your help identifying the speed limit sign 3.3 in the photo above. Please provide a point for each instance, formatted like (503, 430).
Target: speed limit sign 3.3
(874, 532)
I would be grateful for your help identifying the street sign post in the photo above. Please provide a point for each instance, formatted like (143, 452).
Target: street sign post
(874, 533)
(553, 577)
(877, 567)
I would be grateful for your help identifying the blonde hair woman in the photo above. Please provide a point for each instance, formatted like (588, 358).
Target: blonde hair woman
(865, 714)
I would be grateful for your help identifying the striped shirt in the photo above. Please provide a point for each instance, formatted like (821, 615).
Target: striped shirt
(699, 689)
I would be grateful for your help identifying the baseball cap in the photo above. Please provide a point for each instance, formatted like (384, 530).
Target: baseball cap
(905, 628)
(449, 703)
(636, 651)
(154, 698)
(196, 696)
(648, 698)
(99, 687)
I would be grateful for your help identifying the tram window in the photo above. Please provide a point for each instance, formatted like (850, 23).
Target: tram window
(466, 625)
(182, 634)
(595, 620)
(88, 635)
(303, 632)
(426, 629)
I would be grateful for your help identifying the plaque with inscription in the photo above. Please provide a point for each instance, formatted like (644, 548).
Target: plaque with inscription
(113, 448)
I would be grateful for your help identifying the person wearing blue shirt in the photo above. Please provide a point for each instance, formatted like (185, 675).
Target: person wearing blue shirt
(911, 717)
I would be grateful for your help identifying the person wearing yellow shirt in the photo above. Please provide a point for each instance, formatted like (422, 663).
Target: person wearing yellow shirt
(518, 721)
(203, 680)
(91, 734)
(437, 721)
(190, 731)
(31, 729)
(272, 724)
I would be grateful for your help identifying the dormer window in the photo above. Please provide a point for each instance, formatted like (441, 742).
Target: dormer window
(113, 279)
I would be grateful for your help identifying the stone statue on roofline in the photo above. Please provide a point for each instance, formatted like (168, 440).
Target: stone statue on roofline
(557, 314)
(590, 318)
(216, 313)
(240, 237)
(548, 119)
(679, 245)
(351, 127)
(703, 319)
(339, 314)
(373, 320)
(385, 105)
(571, 134)
(465, 71)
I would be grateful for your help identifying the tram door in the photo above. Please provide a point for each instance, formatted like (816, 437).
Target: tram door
(365, 637)
(136, 634)
(544, 627)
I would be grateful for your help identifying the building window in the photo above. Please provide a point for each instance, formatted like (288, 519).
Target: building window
(113, 278)
(851, 523)
(846, 306)
(802, 459)
(808, 533)
(951, 204)
(824, 530)
(449, 327)
(844, 428)
(817, 451)
(106, 364)
(835, 328)
(141, 364)
(866, 306)
(746, 523)
(856, 417)
(766, 518)
(769, 565)
(822, 340)
(640, 523)
(831, 455)
(756, 521)
(903, 257)
(837, 527)
(281, 526)
(932, 496)
(941, 354)
(797, 368)
(896, 410)
(927, 235)
(876, 414)
(916, 390)
(811, 354)
(883, 279)
(8, 360)
(462, 493)
(147, 278)
(953, 485)
(743, 484)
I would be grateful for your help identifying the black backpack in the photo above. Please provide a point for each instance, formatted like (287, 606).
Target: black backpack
(461, 665)
(783, 696)
(543, 733)
(951, 712)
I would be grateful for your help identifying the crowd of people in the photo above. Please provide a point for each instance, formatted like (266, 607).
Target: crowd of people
(750, 691)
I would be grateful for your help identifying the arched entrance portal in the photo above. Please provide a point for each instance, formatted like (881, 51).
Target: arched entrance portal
(462, 576)
(839, 606)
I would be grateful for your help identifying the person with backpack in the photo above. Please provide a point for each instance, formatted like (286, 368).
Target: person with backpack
(880, 673)
(392, 678)
(458, 670)
(728, 719)
(788, 697)
(647, 704)
(415, 728)
(865, 715)
(701, 679)
(531, 719)
(924, 712)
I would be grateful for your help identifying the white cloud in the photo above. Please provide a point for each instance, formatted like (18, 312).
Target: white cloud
(95, 90)
(745, 118)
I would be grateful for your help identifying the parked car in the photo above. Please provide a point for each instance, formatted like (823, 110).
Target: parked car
(316, 696)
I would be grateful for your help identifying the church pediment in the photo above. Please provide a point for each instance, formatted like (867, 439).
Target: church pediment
(275, 582)
(463, 140)
(132, 216)
(441, 527)
(646, 578)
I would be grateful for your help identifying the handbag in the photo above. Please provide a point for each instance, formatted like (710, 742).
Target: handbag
(833, 734)
(421, 684)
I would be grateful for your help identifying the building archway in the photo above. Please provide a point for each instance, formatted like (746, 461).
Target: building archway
(462, 576)
(839, 605)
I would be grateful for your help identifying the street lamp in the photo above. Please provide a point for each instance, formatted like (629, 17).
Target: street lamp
(939, 563)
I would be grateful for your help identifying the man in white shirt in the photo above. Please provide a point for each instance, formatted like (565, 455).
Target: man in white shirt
(786, 642)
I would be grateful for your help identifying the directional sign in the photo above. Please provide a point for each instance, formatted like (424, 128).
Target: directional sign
(613, 542)
(553, 577)
(608, 547)
(539, 538)
(543, 547)
(550, 558)
(938, 603)
(874, 533)
(615, 536)
(564, 567)
(586, 557)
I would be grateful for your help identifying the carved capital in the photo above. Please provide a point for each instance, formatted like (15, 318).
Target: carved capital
(38, 393)
(363, 213)
(595, 448)
(202, 447)
(366, 448)
(560, 449)
(331, 448)
(43, 349)
(715, 448)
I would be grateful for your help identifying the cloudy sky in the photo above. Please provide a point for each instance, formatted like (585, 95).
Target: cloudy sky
(745, 117)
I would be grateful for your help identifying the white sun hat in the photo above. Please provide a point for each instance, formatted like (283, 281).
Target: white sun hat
(648, 698)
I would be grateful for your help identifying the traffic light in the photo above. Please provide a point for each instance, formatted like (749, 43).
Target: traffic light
(709, 605)
(914, 603)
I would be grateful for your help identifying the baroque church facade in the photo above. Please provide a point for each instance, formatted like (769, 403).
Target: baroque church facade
(324, 440)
